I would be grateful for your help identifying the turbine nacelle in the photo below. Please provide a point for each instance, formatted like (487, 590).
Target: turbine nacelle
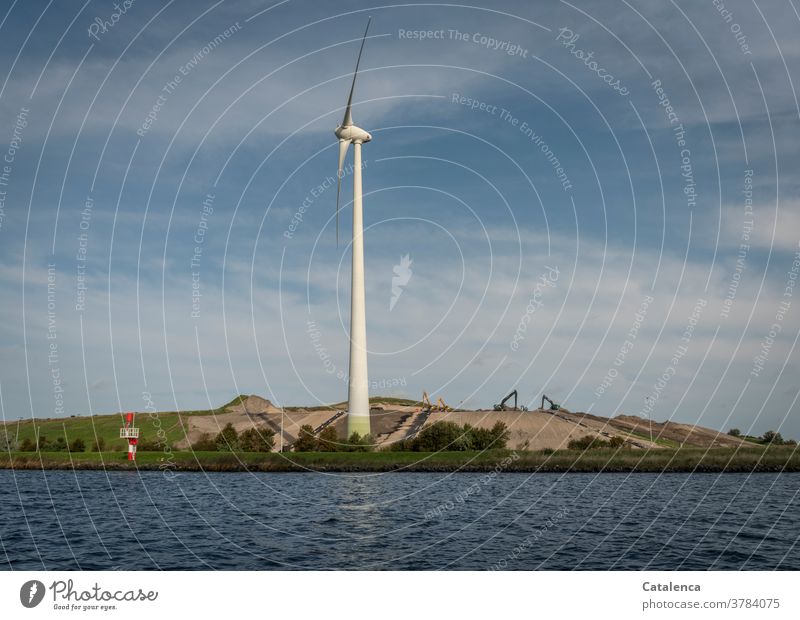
(352, 133)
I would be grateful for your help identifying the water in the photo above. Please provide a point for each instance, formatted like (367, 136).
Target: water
(128, 520)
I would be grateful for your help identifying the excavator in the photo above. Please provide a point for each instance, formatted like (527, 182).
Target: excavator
(502, 406)
(429, 407)
(553, 406)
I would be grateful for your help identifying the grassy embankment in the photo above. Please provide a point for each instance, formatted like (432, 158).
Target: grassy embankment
(756, 459)
(106, 427)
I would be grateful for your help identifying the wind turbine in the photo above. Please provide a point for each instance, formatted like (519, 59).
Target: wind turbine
(358, 386)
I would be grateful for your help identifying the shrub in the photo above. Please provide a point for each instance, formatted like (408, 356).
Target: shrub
(616, 442)
(329, 440)
(257, 440)
(772, 437)
(306, 442)
(59, 445)
(437, 436)
(500, 435)
(77, 445)
(99, 444)
(27, 445)
(357, 443)
(206, 443)
(227, 439)
(450, 436)
(735, 432)
(589, 442)
(7, 444)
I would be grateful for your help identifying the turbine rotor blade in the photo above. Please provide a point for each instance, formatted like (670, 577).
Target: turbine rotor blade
(343, 146)
(348, 117)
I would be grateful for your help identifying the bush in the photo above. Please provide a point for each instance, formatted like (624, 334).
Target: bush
(227, 439)
(589, 442)
(7, 444)
(27, 445)
(59, 445)
(77, 445)
(206, 443)
(257, 440)
(735, 432)
(357, 443)
(99, 444)
(616, 442)
(452, 437)
(771, 437)
(329, 440)
(306, 442)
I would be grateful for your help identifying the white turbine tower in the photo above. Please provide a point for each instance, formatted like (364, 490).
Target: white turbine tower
(358, 387)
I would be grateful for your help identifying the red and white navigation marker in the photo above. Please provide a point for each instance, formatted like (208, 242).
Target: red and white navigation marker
(131, 433)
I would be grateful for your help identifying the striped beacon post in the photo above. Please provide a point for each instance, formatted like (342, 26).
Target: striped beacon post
(131, 433)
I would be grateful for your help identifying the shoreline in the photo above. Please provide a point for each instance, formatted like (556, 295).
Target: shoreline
(682, 460)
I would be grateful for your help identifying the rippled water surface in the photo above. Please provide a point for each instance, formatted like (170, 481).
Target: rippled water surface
(123, 520)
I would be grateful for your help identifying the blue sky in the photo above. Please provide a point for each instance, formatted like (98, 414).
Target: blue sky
(460, 177)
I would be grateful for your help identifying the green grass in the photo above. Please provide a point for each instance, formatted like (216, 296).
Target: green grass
(661, 441)
(107, 427)
(759, 459)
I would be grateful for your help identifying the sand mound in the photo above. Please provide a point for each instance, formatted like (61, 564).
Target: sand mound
(253, 404)
(533, 430)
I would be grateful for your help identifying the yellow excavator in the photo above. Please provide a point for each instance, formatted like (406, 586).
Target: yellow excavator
(440, 406)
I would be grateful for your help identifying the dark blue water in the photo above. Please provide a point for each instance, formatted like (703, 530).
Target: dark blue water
(122, 520)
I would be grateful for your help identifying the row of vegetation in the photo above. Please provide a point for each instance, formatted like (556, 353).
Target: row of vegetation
(589, 442)
(770, 438)
(449, 436)
(692, 460)
(230, 440)
(59, 444)
(438, 437)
